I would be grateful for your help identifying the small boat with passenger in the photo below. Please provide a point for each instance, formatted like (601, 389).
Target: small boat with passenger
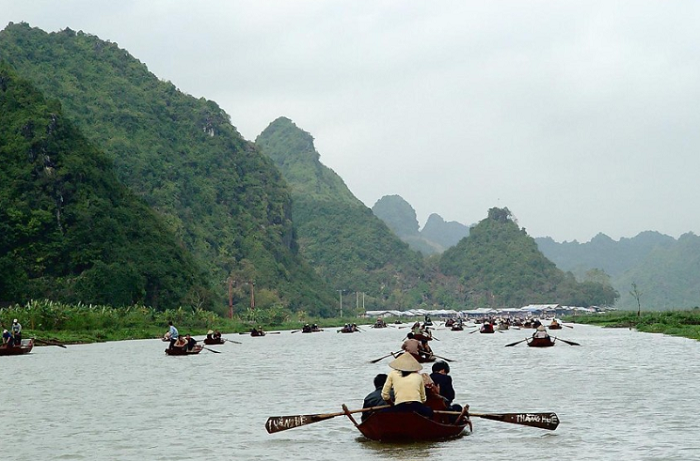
(387, 426)
(24, 348)
(184, 351)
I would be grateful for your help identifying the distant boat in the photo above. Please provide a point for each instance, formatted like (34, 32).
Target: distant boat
(24, 348)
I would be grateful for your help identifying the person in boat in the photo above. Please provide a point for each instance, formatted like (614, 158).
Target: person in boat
(540, 332)
(256, 331)
(554, 323)
(416, 329)
(374, 398)
(181, 343)
(6, 338)
(16, 333)
(217, 335)
(412, 346)
(172, 334)
(210, 334)
(427, 322)
(314, 327)
(407, 385)
(380, 323)
(306, 328)
(354, 327)
(443, 381)
(425, 349)
(536, 323)
(190, 342)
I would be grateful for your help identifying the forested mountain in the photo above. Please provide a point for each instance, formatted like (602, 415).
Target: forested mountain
(444, 233)
(68, 228)
(667, 278)
(349, 246)
(602, 252)
(436, 235)
(216, 192)
(500, 265)
(401, 218)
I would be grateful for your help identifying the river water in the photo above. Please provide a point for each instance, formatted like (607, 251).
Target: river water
(621, 395)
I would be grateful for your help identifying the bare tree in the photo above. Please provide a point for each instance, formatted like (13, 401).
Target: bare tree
(637, 295)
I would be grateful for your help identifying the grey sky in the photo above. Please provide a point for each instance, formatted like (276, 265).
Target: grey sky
(580, 117)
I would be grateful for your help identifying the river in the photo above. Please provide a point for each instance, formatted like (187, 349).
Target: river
(621, 395)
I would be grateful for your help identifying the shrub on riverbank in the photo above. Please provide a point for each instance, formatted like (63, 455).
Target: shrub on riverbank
(85, 323)
(677, 323)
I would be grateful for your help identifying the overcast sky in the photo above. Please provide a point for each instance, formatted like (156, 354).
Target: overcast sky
(579, 116)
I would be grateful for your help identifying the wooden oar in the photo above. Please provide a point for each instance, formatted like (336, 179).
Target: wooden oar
(443, 358)
(295, 331)
(567, 326)
(548, 421)
(571, 343)
(474, 331)
(383, 357)
(517, 342)
(282, 423)
(232, 341)
(50, 343)
(211, 350)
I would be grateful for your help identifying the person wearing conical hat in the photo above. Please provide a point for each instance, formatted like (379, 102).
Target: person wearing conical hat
(210, 334)
(408, 386)
(541, 332)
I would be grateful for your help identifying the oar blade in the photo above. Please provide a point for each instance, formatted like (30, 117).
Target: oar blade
(517, 342)
(282, 423)
(548, 421)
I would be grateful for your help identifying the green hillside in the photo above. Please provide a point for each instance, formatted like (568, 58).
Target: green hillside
(217, 194)
(349, 246)
(500, 265)
(68, 229)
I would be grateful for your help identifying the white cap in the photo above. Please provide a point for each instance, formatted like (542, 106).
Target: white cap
(14, 321)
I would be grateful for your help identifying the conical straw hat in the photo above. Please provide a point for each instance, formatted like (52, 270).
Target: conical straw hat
(406, 362)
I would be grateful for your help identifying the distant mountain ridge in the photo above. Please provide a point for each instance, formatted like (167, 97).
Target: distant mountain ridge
(437, 234)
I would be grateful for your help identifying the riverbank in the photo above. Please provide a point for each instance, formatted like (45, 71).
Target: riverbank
(81, 324)
(675, 323)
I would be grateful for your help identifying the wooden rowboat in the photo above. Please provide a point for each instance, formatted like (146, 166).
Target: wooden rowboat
(541, 342)
(182, 351)
(555, 326)
(210, 341)
(24, 348)
(486, 328)
(406, 427)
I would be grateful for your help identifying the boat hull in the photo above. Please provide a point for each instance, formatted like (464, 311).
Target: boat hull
(182, 351)
(541, 342)
(25, 348)
(407, 427)
(212, 341)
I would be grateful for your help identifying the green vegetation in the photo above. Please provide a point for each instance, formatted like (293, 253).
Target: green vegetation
(500, 265)
(68, 229)
(684, 323)
(81, 323)
(215, 193)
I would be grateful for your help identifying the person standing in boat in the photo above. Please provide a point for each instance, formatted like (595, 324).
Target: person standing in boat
(16, 333)
(172, 334)
(374, 398)
(407, 385)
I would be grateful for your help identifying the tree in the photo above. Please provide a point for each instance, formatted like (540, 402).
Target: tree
(636, 294)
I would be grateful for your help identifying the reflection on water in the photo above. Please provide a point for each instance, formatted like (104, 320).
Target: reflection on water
(621, 395)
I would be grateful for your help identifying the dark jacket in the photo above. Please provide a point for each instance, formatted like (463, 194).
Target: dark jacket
(445, 383)
(373, 399)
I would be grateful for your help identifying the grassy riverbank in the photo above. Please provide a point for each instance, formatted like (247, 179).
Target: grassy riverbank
(676, 323)
(89, 323)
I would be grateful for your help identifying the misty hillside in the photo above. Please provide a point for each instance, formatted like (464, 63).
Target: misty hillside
(500, 265)
(349, 246)
(436, 235)
(214, 190)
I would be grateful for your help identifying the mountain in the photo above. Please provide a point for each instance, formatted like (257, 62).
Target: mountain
(398, 214)
(69, 230)
(401, 218)
(602, 252)
(225, 201)
(346, 243)
(500, 265)
(444, 233)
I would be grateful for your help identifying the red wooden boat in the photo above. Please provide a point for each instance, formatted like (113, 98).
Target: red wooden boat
(541, 342)
(406, 427)
(24, 348)
(182, 351)
(555, 326)
(457, 327)
(486, 328)
(255, 332)
(210, 341)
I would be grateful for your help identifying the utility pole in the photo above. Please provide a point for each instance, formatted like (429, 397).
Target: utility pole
(252, 295)
(341, 302)
(230, 297)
